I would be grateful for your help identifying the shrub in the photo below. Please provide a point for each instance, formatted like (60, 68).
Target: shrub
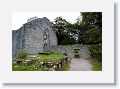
(96, 51)
(22, 55)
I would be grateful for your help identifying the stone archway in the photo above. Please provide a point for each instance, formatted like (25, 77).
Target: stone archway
(68, 49)
(76, 52)
(76, 64)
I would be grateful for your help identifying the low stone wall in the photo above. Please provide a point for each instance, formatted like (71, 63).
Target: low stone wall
(68, 49)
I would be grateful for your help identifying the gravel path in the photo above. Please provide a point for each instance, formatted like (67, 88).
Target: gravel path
(80, 65)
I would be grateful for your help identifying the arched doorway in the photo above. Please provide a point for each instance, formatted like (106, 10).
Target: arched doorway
(76, 52)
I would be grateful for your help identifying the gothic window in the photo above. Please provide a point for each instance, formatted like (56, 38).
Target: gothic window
(46, 33)
(44, 45)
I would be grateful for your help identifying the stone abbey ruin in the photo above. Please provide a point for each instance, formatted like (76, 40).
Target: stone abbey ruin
(35, 36)
(38, 36)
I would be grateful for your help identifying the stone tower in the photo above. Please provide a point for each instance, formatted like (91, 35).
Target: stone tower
(34, 37)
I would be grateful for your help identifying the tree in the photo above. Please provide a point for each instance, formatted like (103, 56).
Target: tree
(92, 36)
(91, 28)
(92, 20)
(63, 31)
(86, 30)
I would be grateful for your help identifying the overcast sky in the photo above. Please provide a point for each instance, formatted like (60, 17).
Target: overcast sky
(19, 18)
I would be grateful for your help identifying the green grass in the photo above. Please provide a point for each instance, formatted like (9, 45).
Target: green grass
(51, 57)
(96, 65)
(65, 67)
(22, 67)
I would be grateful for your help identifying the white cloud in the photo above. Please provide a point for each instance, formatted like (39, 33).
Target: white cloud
(19, 18)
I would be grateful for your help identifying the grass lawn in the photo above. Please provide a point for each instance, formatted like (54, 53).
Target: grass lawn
(52, 58)
(22, 67)
(96, 65)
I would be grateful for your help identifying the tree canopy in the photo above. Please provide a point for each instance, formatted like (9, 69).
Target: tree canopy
(85, 31)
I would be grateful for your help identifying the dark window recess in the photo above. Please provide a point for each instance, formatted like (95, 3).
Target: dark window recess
(44, 45)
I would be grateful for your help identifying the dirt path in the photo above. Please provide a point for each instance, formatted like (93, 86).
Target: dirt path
(80, 65)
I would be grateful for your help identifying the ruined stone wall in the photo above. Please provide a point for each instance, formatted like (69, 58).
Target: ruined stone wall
(18, 41)
(68, 49)
(30, 37)
(34, 37)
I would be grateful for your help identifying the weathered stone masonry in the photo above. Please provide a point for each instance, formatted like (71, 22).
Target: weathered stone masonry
(34, 37)
(68, 49)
